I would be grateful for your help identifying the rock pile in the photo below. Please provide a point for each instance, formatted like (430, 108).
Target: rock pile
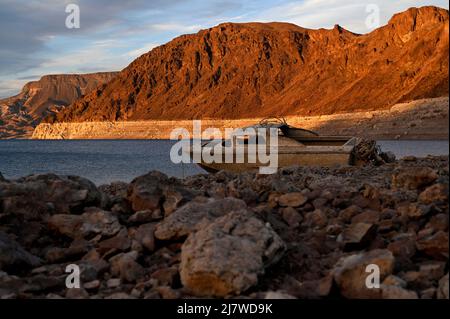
(300, 233)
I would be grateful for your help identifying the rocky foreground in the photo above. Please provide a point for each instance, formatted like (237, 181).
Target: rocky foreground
(301, 233)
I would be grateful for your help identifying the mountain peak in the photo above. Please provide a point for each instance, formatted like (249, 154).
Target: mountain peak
(415, 18)
(237, 70)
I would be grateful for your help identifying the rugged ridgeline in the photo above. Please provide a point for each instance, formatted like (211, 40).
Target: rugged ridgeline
(249, 70)
(49, 95)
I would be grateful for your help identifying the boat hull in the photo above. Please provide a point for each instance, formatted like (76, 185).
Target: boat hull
(320, 151)
(311, 158)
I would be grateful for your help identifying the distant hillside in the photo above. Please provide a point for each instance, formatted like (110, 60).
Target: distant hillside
(21, 113)
(267, 69)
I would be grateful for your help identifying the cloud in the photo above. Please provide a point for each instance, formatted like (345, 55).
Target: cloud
(77, 59)
(350, 14)
(174, 27)
(140, 51)
(27, 25)
(10, 87)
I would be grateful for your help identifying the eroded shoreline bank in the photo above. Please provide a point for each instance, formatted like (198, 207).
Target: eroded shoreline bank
(300, 233)
(421, 119)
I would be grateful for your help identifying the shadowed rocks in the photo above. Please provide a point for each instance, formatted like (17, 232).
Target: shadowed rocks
(303, 232)
(227, 256)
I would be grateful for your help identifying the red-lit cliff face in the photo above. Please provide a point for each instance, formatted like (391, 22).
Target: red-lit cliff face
(258, 69)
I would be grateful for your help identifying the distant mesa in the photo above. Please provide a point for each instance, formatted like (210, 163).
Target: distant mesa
(21, 113)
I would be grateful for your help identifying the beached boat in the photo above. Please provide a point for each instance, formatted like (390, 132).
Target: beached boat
(295, 146)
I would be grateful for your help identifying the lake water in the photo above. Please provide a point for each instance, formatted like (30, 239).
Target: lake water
(103, 161)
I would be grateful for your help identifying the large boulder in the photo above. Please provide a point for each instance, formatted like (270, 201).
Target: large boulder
(192, 215)
(13, 258)
(227, 256)
(35, 195)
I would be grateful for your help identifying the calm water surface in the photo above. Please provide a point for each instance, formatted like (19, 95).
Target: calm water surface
(104, 161)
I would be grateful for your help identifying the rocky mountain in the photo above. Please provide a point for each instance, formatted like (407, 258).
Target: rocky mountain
(21, 113)
(268, 69)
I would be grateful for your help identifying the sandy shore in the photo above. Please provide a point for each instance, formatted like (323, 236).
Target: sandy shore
(421, 119)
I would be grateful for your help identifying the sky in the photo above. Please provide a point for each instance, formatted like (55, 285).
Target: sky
(35, 41)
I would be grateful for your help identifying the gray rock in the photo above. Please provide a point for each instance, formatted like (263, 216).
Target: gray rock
(34, 195)
(125, 266)
(113, 282)
(357, 236)
(91, 270)
(172, 200)
(119, 242)
(442, 292)
(13, 258)
(144, 235)
(77, 249)
(435, 245)
(77, 293)
(436, 193)
(145, 216)
(145, 192)
(392, 280)
(429, 293)
(414, 177)
(396, 292)
(316, 219)
(156, 191)
(165, 276)
(93, 222)
(277, 295)
(120, 295)
(432, 270)
(92, 285)
(388, 157)
(115, 191)
(227, 256)
(194, 214)
(291, 216)
(294, 199)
